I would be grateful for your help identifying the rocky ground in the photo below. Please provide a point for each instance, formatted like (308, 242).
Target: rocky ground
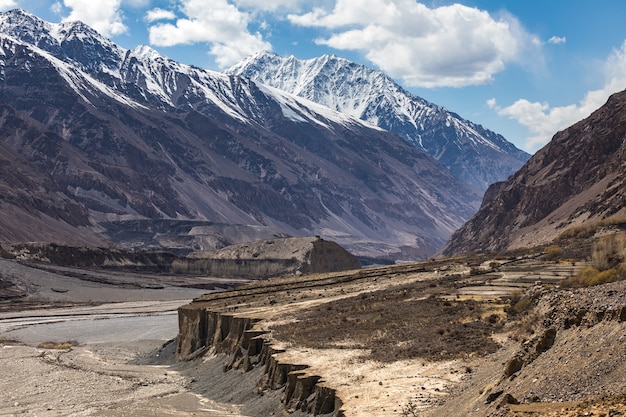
(79, 342)
(495, 339)
(490, 338)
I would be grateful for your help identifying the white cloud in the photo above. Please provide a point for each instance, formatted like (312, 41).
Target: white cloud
(7, 4)
(57, 8)
(219, 23)
(270, 5)
(543, 121)
(106, 17)
(452, 45)
(557, 40)
(159, 14)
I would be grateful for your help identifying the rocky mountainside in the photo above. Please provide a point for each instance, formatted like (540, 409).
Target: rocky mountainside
(104, 144)
(473, 153)
(577, 178)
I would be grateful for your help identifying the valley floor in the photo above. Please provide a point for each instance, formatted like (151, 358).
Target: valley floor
(426, 339)
(74, 344)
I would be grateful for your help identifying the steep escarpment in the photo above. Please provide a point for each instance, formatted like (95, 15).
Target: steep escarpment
(497, 337)
(579, 177)
(250, 326)
(245, 348)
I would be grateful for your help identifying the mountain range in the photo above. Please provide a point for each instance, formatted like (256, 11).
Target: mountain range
(106, 145)
(474, 154)
(576, 180)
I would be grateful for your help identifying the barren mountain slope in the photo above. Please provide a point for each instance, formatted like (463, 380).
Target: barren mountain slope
(131, 139)
(34, 207)
(474, 154)
(579, 177)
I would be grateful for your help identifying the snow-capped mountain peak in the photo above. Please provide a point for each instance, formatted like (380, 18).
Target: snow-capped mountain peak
(472, 152)
(144, 51)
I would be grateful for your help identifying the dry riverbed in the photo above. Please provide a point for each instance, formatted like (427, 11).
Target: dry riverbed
(86, 343)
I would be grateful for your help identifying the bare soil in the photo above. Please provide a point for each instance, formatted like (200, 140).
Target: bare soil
(103, 346)
(406, 322)
(432, 339)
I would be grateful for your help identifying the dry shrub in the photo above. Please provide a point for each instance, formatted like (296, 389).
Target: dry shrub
(553, 252)
(57, 345)
(608, 263)
(609, 251)
(589, 229)
(410, 409)
(590, 276)
(518, 303)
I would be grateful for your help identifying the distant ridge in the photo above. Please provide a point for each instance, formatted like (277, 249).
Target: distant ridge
(474, 154)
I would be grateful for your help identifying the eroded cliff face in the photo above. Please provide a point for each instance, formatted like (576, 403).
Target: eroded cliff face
(247, 347)
(270, 258)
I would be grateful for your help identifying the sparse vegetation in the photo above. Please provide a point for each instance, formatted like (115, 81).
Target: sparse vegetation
(608, 263)
(590, 276)
(609, 251)
(553, 252)
(518, 304)
(589, 229)
(58, 345)
(410, 410)
(399, 323)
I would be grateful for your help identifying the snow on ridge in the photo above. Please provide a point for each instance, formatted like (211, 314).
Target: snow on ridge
(158, 76)
(146, 52)
(76, 79)
(354, 89)
(291, 104)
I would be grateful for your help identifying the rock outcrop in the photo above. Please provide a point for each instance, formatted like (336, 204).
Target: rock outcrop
(268, 258)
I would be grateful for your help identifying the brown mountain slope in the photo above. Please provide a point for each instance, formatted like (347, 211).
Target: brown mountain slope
(145, 152)
(32, 205)
(579, 177)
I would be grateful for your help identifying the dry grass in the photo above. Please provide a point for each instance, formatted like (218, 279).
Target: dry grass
(608, 263)
(589, 229)
(399, 323)
(58, 345)
(553, 252)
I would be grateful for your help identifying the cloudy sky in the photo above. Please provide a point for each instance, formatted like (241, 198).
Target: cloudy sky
(523, 68)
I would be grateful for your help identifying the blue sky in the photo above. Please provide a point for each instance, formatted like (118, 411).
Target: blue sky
(523, 68)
